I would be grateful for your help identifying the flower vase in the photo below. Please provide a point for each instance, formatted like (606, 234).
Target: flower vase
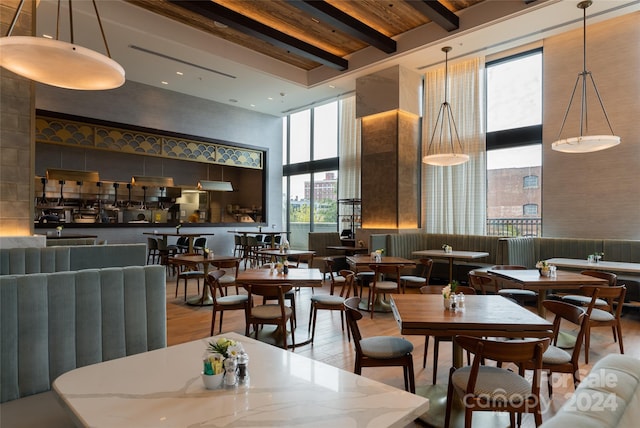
(212, 381)
(447, 303)
(544, 271)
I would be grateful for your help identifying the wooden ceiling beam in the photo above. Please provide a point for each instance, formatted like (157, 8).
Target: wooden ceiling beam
(438, 13)
(345, 23)
(216, 12)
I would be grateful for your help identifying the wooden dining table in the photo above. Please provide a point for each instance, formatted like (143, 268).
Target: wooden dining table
(204, 261)
(361, 262)
(189, 235)
(530, 279)
(451, 255)
(296, 277)
(482, 316)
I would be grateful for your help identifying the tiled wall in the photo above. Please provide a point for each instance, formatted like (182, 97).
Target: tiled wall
(16, 130)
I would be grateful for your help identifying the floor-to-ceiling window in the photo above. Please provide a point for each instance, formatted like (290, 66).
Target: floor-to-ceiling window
(514, 145)
(310, 172)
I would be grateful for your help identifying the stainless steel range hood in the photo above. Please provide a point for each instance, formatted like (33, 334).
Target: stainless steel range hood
(215, 186)
(143, 180)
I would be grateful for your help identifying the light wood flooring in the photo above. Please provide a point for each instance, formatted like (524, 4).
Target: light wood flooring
(186, 323)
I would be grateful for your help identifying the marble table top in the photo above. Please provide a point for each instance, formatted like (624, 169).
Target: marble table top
(164, 388)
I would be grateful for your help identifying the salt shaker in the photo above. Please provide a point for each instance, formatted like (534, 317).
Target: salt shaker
(461, 300)
(230, 377)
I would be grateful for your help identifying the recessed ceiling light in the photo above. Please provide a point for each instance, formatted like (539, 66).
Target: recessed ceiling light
(164, 83)
(179, 73)
(252, 105)
(332, 86)
(270, 98)
(46, 36)
(220, 24)
(317, 21)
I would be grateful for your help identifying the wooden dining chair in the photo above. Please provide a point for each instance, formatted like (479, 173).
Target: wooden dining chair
(490, 388)
(223, 302)
(270, 313)
(582, 300)
(422, 279)
(232, 267)
(331, 302)
(335, 280)
(555, 359)
(609, 317)
(187, 271)
(437, 339)
(381, 284)
(481, 283)
(379, 351)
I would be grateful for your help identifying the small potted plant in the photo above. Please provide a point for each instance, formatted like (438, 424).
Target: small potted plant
(447, 248)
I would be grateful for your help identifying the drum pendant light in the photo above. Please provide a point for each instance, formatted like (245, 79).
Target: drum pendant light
(58, 63)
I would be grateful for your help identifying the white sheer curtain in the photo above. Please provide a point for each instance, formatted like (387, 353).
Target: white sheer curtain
(349, 150)
(455, 196)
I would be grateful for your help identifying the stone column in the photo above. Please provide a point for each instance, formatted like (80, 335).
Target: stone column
(389, 103)
(17, 134)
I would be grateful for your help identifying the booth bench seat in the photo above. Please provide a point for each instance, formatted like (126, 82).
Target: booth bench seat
(17, 261)
(51, 323)
(608, 397)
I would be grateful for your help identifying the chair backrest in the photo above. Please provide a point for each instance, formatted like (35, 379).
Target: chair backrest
(481, 282)
(516, 351)
(383, 269)
(611, 277)
(427, 266)
(213, 281)
(572, 313)
(431, 289)
(353, 314)
(612, 295)
(349, 280)
(152, 243)
(508, 267)
(270, 291)
(200, 243)
(227, 264)
(464, 289)
(237, 239)
(183, 240)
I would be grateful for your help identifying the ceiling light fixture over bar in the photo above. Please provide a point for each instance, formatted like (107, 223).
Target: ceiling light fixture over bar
(445, 149)
(58, 63)
(585, 143)
(215, 186)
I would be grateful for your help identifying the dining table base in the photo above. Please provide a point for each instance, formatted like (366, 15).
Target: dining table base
(273, 336)
(379, 305)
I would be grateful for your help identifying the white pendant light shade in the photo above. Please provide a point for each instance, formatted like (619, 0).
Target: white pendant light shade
(444, 147)
(446, 159)
(585, 144)
(61, 64)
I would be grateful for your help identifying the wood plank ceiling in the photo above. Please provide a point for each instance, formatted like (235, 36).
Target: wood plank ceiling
(310, 33)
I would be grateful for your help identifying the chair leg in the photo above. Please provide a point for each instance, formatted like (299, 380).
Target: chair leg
(412, 378)
(436, 349)
(426, 349)
(220, 328)
(619, 330)
(293, 335)
(213, 322)
(313, 330)
(447, 417)
(587, 340)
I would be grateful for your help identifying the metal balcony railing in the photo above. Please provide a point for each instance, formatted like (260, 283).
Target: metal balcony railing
(514, 226)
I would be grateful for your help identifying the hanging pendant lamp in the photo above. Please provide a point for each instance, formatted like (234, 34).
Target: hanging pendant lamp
(445, 148)
(58, 63)
(585, 143)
